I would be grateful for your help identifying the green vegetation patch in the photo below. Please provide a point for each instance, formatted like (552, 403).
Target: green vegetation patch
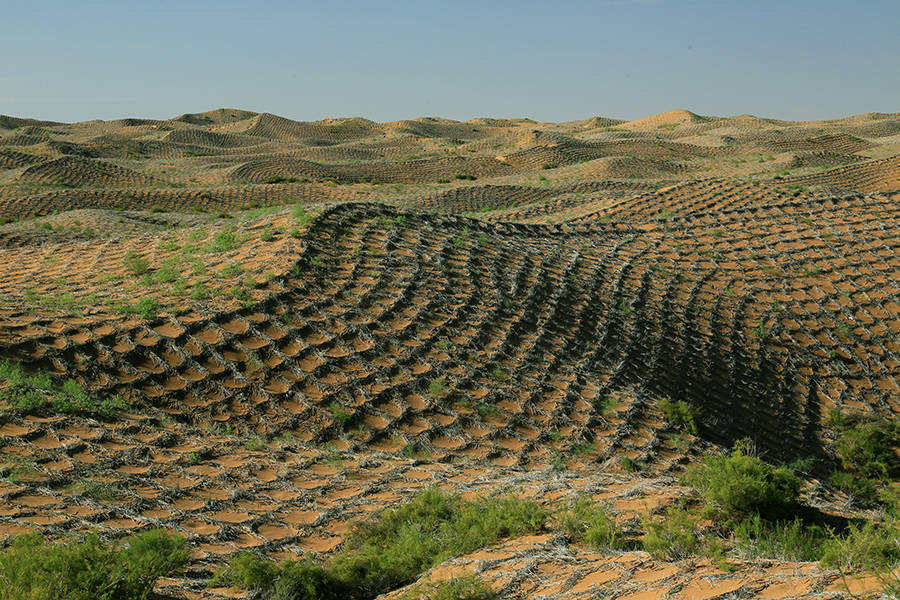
(742, 485)
(392, 548)
(36, 569)
(589, 523)
(37, 392)
(867, 447)
(681, 414)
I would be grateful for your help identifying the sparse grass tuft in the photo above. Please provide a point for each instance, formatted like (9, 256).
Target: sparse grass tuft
(673, 537)
(587, 522)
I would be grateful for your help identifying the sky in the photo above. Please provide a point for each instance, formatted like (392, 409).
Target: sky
(460, 59)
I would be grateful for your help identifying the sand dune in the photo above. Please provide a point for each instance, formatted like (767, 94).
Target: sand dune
(309, 321)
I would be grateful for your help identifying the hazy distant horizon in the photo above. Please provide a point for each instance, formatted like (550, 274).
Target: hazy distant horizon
(300, 118)
(623, 59)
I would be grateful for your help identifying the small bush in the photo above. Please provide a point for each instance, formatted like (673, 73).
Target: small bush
(280, 179)
(231, 270)
(605, 404)
(25, 392)
(199, 292)
(859, 488)
(629, 465)
(340, 414)
(870, 546)
(392, 548)
(72, 400)
(784, 540)
(867, 446)
(398, 544)
(590, 524)
(741, 485)
(681, 414)
(465, 177)
(436, 387)
(223, 241)
(22, 397)
(146, 308)
(135, 263)
(298, 580)
(303, 217)
(34, 569)
(673, 537)
(166, 274)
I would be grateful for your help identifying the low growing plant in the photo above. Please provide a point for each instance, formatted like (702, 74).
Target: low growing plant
(36, 569)
(738, 485)
(588, 522)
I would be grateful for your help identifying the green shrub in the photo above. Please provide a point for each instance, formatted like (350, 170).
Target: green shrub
(436, 387)
(673, 537)
(873, 547)
(99, 491)
(135, 263)
(590, 524)
(17, 468)
(629, 465)
(231, 270)
(783, 540)
(223, 241)
(681, 414)
(297, 580)
(486, 410)
(146, 308)
(869, 548)
(392, 548)
(859, 488)
(22, 397)
(605, 404)
(24, 392)
(34, 569)
(868, 446)
(199, 292)
(740, 485)
(167, 274)
(72, 400)
(303, 218)
(340, 414)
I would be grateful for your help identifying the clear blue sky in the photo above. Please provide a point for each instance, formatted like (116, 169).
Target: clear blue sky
(384, 60)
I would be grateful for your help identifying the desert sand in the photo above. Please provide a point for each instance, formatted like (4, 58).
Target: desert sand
(311, 321)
